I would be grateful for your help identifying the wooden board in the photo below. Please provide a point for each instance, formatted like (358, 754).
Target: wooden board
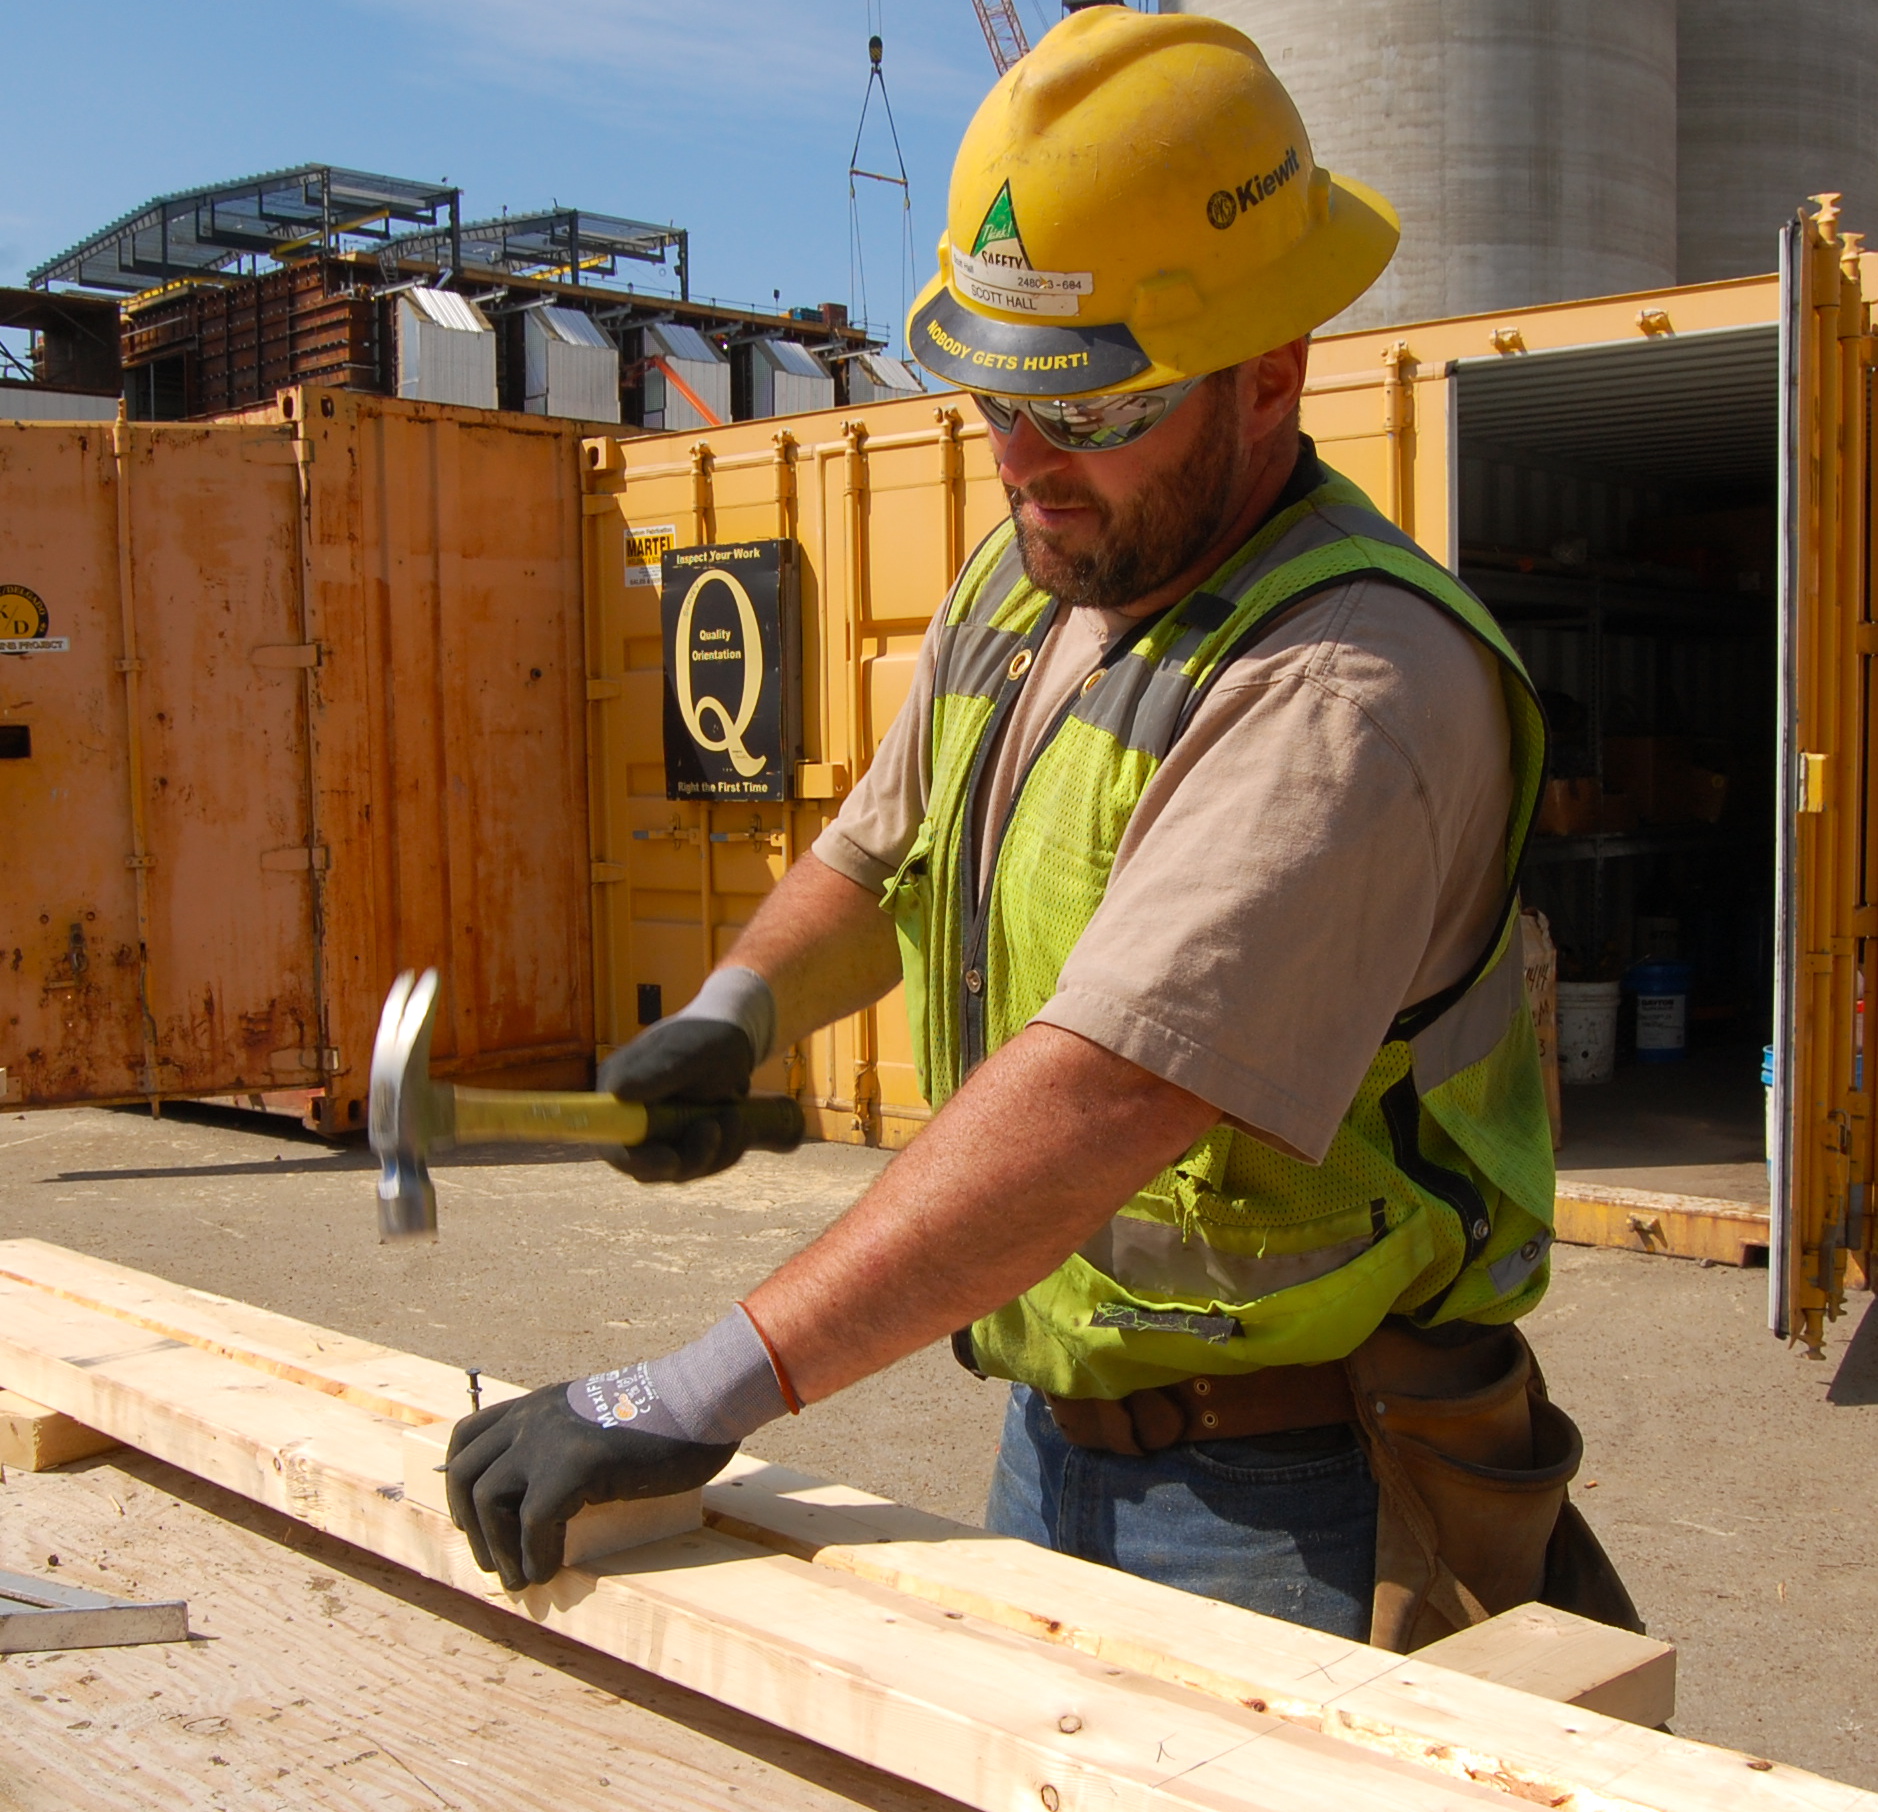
(948, 1701)
(1403, 1708)
(34, 1437)
(323, 1677)
(1571, 1659)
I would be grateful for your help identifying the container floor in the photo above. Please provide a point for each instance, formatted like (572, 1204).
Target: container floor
(1696, 1127)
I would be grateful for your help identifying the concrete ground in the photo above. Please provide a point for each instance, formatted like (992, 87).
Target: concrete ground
(1731, 1479)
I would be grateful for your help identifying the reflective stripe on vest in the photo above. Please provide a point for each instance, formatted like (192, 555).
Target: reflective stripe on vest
(1435, 1197)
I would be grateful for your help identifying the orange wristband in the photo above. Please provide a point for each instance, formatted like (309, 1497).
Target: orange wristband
(776, 1364)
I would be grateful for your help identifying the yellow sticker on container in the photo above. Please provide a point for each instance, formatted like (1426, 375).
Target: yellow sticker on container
(24, 622)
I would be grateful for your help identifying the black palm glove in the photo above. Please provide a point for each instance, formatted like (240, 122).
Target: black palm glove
(517, 1471)
(702, 1060)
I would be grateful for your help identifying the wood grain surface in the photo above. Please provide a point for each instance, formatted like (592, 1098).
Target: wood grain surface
(320, 1676)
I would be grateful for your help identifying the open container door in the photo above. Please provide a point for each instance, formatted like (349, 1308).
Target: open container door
(1821, 1149)
(1392, 433)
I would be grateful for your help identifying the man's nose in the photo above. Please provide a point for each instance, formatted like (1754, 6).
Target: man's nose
(1024, 455)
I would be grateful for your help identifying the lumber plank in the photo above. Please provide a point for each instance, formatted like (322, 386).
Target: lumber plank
(1557, 1655)
(33, 1437)
(330, 1679)
(950, 1702)
(1406, 1708)
(362, 1372)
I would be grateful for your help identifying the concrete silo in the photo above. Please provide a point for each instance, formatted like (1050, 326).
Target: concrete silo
(1529, 145)
(1774, 103)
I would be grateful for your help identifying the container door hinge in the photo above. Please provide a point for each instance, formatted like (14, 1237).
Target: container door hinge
(603, 874)
(140, 861)
(294, 859)
(598, 689)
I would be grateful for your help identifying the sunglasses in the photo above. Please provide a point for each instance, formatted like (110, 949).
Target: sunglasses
(1087, 424)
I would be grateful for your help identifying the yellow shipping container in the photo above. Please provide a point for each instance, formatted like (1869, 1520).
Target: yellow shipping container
(1665, 498)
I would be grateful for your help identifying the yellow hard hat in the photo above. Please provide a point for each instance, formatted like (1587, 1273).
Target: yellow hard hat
(1135, 203)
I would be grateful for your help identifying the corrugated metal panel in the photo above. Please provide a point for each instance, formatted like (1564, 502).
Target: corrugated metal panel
(448, 309)
(875, 378)
(698, 365)
(572, 327)
(29, 403)
(1644, 410)
(446, 351)
(787, 379)
(677, 341)
(317, 719)
(883, 508)
(570, 367)
(798, 361)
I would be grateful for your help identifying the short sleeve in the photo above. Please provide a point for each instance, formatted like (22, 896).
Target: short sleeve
(1323, 845)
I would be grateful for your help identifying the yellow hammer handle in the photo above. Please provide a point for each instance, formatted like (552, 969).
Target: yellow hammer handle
(490, 1113)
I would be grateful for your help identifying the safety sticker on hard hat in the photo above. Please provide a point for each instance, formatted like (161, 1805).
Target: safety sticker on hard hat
(997, 270)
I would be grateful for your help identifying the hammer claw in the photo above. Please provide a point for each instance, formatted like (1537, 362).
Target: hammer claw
(405, 1122)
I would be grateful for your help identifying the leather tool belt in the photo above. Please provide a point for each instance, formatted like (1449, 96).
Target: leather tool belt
(1273, 1401)
(1471, 1462)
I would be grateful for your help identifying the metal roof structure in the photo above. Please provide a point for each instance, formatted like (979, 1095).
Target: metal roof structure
(567, 243)
(196, 232)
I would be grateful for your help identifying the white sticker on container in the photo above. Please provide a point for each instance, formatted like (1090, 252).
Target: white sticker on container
(36, 644)
(646, 549)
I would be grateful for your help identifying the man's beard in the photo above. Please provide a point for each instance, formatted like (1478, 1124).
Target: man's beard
(1146, 541)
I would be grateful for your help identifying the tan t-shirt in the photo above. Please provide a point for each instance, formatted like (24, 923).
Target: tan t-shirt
(1322, 847)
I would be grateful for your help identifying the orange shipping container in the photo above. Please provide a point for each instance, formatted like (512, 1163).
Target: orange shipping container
(317, 717)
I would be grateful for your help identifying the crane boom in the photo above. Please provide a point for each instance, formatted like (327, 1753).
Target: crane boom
(1004, 31)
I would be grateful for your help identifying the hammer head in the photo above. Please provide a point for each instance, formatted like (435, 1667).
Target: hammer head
(409, 1113)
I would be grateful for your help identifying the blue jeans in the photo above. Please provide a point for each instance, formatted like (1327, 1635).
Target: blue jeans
(1289, 1534)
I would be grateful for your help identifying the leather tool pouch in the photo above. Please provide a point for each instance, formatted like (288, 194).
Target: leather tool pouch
(1472, 1462)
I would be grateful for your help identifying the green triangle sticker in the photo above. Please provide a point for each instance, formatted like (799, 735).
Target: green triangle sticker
(1000, 226)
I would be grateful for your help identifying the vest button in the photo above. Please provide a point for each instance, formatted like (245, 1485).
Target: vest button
(974, 982)
(1020, 664)
(1481, 1229)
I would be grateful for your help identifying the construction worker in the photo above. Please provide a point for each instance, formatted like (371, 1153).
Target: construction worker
(1195, 847)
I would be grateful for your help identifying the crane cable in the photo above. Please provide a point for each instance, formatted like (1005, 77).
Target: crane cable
(857, 266)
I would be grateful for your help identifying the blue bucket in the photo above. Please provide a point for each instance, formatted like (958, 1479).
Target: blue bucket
(1662, 991)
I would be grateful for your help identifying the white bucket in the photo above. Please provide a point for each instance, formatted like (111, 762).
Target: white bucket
(1587, 1030)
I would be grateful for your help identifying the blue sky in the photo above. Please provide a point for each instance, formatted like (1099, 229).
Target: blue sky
(733, 118)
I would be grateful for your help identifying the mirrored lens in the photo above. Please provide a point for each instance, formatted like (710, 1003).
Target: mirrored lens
(1086, 424)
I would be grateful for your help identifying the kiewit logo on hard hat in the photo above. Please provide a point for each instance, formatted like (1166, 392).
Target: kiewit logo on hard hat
(1224, 206)
(997, 270)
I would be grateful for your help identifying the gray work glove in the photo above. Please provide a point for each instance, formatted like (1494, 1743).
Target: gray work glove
(702, 1054)
(518, 1471)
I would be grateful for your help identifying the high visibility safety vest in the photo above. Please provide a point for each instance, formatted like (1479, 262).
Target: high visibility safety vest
(1435, 1197)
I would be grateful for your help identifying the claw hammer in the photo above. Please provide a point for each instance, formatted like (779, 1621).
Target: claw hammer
(412, 1115)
